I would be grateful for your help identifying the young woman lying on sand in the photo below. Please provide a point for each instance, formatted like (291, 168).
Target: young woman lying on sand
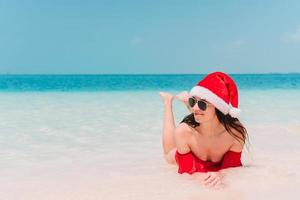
(209, 139)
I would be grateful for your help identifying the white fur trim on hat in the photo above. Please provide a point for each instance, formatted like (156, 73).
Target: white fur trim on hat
(234, 112)
(218, 102)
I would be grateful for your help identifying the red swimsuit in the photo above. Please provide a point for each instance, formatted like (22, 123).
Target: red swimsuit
(189, 163)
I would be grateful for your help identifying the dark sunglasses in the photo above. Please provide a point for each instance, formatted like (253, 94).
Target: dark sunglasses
(202, 104)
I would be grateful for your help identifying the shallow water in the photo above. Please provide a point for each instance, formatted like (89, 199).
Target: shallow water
(107, 145)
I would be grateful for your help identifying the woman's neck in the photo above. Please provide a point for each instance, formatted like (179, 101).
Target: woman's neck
(211, 128)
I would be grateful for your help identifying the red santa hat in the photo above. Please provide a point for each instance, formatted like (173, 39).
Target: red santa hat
(220, 90)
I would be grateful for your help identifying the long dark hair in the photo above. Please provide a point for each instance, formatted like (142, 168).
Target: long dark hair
(227, 121)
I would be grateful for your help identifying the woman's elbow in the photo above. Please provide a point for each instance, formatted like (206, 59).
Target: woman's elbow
(170, 156)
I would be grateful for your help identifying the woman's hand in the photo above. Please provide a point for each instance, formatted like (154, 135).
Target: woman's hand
(213, 179)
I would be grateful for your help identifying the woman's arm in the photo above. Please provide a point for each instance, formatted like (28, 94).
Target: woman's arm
(170, 156)
(181, 141)
(182, 135)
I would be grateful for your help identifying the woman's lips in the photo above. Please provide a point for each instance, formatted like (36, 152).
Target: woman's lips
(198, 114)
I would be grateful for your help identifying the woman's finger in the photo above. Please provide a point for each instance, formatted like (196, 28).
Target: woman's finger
(208, 181)
(219, 185)
(206, 177)
(215, 182)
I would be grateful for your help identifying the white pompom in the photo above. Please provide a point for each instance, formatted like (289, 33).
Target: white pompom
(234, 112)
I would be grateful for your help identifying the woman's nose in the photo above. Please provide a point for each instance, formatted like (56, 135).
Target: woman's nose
(195, 107)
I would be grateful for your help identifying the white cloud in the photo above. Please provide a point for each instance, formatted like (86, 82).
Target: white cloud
(136, 40)
(293, 38)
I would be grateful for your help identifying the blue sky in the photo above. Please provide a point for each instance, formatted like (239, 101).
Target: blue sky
(162, 36)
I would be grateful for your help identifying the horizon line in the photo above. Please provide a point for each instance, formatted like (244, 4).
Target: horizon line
(62, 74)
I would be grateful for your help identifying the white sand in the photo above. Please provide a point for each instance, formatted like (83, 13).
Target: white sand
(108, 146)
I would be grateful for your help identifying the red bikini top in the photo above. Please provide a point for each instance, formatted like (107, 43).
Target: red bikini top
(189, 163)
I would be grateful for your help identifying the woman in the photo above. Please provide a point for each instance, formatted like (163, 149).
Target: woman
(209, 139)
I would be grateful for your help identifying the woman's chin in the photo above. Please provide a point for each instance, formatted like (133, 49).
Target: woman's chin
(198, 119)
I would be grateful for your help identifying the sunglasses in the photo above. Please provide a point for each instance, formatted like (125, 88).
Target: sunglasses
(202, 104)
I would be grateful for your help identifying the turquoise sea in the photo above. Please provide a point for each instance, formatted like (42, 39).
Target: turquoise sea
(138, 82)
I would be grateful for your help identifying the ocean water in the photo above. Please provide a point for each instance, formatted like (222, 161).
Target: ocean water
(138, 82)
(99, 137)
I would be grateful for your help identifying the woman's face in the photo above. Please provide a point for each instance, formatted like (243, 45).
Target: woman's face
(202, 116)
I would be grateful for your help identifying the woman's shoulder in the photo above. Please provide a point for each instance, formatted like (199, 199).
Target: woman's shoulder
(183, 134)
(237, 143)
(184, 129)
